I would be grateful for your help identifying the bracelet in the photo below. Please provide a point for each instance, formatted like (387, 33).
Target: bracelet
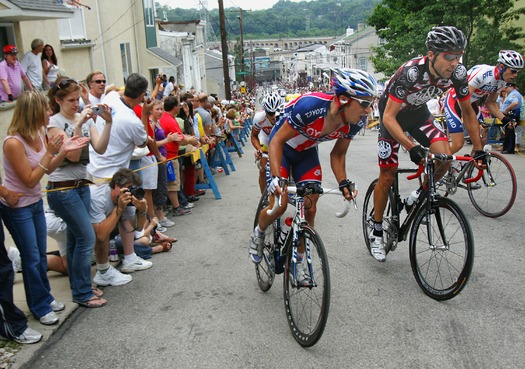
(142, 214)
(44, 168)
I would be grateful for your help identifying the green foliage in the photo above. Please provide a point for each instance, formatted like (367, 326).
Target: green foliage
(488, 25)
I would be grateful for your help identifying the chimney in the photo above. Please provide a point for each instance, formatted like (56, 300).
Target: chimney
(349, 31)
(360, 27)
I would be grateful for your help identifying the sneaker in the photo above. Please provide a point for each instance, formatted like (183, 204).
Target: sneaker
(57, 306)
(135, 265)
(29, 336)
(181, 211)
(14, 256)
(255, 247)
(49, 319)
(162, 229)
(112, 277)
(189, 206)
(377, 248)
(192, 198)
(165, 222)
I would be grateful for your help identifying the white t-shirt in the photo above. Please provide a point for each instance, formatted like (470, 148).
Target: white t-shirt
(32, 65)
(93, 100)
(126, 133)
(168, 89)
(101, 205)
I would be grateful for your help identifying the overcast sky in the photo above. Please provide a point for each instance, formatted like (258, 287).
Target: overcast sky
(214, 4)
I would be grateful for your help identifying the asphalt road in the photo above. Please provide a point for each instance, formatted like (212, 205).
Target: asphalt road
(200, 306)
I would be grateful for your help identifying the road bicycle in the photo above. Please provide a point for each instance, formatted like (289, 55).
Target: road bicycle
(494, 194)
(441, 245)
(306, 304)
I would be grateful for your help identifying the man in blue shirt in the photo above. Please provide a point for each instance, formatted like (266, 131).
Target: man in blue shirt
(511, 108)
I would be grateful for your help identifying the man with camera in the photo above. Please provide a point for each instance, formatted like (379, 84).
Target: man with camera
(119, 204)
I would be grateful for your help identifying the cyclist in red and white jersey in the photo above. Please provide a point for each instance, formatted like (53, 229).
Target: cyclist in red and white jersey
(403, 107)
(263, 123)
(307, 121)
(483, 81)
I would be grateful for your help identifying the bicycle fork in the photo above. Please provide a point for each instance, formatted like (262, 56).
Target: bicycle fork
(299, 220)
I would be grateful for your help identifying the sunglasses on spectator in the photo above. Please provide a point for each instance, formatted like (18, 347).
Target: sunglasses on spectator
(65, 83)
(99, 81)
(452, 57)
(365, 104)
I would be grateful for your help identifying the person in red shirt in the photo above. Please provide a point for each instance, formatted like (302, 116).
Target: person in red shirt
(170, 125)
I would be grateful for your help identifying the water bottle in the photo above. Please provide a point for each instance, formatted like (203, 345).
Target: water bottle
(411, 199)
(113, 253)
(285, 228)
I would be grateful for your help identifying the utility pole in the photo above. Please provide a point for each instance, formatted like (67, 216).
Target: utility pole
(242, 44)
(224, 46)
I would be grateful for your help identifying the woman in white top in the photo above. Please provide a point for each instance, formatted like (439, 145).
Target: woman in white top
(49, 66)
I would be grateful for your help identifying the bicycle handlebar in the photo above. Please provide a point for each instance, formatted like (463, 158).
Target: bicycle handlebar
(323, 191)
(445, 157)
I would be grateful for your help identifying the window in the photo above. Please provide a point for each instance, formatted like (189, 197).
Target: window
(363, 63)
(149, 13)
(125, 55)
(72, 28)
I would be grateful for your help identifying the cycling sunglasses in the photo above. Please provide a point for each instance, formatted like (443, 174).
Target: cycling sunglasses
(452, 57)
(270, 113)
(365, 104)
(514, 71)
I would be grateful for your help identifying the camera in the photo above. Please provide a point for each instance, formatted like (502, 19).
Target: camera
(97, 110)
(136, 191)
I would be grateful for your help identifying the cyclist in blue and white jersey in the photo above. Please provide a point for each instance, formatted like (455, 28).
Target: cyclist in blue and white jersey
(307, 121)
(263, 123)
(483, 81)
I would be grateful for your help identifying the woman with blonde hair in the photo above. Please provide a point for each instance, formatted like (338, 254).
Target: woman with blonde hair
(69, 195)
(27, 157)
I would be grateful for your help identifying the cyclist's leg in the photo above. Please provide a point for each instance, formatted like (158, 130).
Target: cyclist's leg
(262, 171)
(454, 123)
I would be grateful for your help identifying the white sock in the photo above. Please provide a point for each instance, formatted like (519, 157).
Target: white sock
(103, 268)
(258, 231)
(130, 257)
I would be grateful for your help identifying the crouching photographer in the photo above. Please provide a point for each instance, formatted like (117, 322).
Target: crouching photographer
(119, 204)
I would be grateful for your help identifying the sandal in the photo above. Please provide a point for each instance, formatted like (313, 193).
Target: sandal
(93, 302)
(166, 246)
(97, 292)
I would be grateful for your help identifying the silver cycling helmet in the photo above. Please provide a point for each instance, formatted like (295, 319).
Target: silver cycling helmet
(446, 38)
(271, 103)
(354, 82)
(511, 59)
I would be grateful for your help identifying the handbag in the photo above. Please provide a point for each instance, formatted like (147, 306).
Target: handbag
(170, 172)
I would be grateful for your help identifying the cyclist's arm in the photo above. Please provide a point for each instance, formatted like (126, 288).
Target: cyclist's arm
(392, 125)
(277, 143)
(338, 158)
(254, 137)
(493, 106)
(470, 121)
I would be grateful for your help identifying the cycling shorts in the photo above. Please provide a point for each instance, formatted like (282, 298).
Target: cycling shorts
(419, 123)
(301, 166)
(453, 114)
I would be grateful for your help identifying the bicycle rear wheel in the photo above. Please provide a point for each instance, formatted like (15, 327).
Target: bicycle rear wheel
(498, 187)
(441, 249)
(307, 307)
(368, 219)
(265, 270)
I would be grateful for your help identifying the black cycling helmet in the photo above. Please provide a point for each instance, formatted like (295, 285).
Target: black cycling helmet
(446, 38)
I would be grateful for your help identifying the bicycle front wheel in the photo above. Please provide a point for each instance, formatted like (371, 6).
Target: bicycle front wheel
(307, 307)
(441, 249)
(265, 270)
(498, 188)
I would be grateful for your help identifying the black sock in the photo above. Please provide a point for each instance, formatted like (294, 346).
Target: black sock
(378, 229)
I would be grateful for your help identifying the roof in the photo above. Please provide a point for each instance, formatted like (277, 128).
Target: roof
(21, 10)
(166, 56)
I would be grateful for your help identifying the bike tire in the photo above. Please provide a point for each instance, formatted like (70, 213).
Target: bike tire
(441, 268)
(496, 198)
(368, 216)
(307, 307)
(265, 270)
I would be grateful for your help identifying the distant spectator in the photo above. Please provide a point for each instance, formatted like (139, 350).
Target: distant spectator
(33, 65)
(11, 75)
(50, 67)
(170, 86)
(95, 91)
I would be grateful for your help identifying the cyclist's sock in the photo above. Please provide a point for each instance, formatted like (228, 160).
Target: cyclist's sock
(378, 229)
(300, 257)
(258, 231)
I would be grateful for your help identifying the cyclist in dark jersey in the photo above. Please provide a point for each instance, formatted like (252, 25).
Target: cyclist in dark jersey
(307, 121)
(403, 107)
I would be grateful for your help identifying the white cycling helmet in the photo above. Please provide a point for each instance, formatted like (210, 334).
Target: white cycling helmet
(354, 82)
(271, 103)
(511, 59)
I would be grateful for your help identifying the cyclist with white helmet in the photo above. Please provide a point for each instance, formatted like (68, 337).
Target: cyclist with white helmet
(263, 123)
(484, 81)
(403, 108)
(307, 121)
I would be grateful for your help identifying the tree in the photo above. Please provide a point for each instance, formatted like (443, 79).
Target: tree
(487, 24)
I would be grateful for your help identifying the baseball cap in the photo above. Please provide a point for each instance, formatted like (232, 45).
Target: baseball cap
(10, 49)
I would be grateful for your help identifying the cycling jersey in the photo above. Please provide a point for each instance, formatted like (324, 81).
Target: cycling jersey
(412, 86)
(485, 80)
(262, 125)
(306, 115)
